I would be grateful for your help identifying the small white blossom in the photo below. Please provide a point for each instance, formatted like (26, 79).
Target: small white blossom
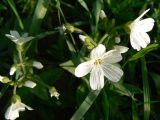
(12, 70)
(82, 37)
(29, 84)
(20, 40)
(117, 39)
(37, 65)
(139, 28)
(121, 49)
(53, 92)
(102, 14)
(101, 64)
(13, 110)
(1, 78)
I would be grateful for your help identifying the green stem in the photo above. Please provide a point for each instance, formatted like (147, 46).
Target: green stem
(21, 61)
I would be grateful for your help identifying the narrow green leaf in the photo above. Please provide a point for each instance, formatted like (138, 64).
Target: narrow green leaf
(105, 103)
(146, 92)
(13, 7)
(39, 14)
(96, 10)
(84, 5)
(119, 88)
(69, 66)
(134, 111)
(144, 52)
(87, 103)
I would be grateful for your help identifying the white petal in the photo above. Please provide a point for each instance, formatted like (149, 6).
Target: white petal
(83, 68)
(11, 114)
(121, 49)
(37, 65)
(112, 56)
(12, 70)
(141, 38)
(11, 37)
(102, 14)
(142, 15)
(97, 78)
(1, 78)
(146, 25)
(112, 72)
(15, 33)
(26, 39)
(98, 51)
(82, 37)
(29, 84)
(25, 35)
(134, 42)
(117, 39)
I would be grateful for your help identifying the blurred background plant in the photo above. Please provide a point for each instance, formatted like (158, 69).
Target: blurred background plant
(135, 97)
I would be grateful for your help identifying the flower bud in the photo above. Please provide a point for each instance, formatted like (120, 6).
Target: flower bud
(53, 92)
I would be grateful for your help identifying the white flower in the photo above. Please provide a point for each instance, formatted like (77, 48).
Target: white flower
(82, 37)
(121, 49)
(138, 36)
(1, 78)
(12, 70)
(20, 40)
(102, 14)
(13, 110)
(29, 84)
(53, 92)
(117, 39)
(37, 65)
(101, 64)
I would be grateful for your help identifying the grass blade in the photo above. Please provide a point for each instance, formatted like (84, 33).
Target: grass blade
(13, 7)
(84, 107)
(39, 14)
(146, 92)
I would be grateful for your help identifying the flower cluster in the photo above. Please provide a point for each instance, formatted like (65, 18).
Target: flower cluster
(102, 63)
(22, 69)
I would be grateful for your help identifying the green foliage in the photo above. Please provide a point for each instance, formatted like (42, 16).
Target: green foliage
(135, 96)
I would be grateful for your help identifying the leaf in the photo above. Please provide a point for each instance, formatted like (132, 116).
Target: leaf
(144, 52)
(69, 66)
(39, 14)
(13, 7)
(146, 92)
(134, 111)
(41, 92)
(87, 103)
(84, 5)
(96, 10)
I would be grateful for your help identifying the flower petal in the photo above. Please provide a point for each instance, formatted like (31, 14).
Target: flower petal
(83, 68)
(13, 38)
(142, 15)
(97, 78)
(134, 43)
(15, 33)
(29, 84)
(112, 72)
(121, 49)
(11, 114)
(25, 35)
(146, 25)
(98, 51)
(111, 56)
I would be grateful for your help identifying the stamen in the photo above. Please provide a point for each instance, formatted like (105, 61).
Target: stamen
(98, 62)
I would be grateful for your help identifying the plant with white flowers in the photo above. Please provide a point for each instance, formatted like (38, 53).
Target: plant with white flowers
(23, 72)
(101, 64)
(138, 28)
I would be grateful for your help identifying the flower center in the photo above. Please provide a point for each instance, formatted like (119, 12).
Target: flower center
(98, 62)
